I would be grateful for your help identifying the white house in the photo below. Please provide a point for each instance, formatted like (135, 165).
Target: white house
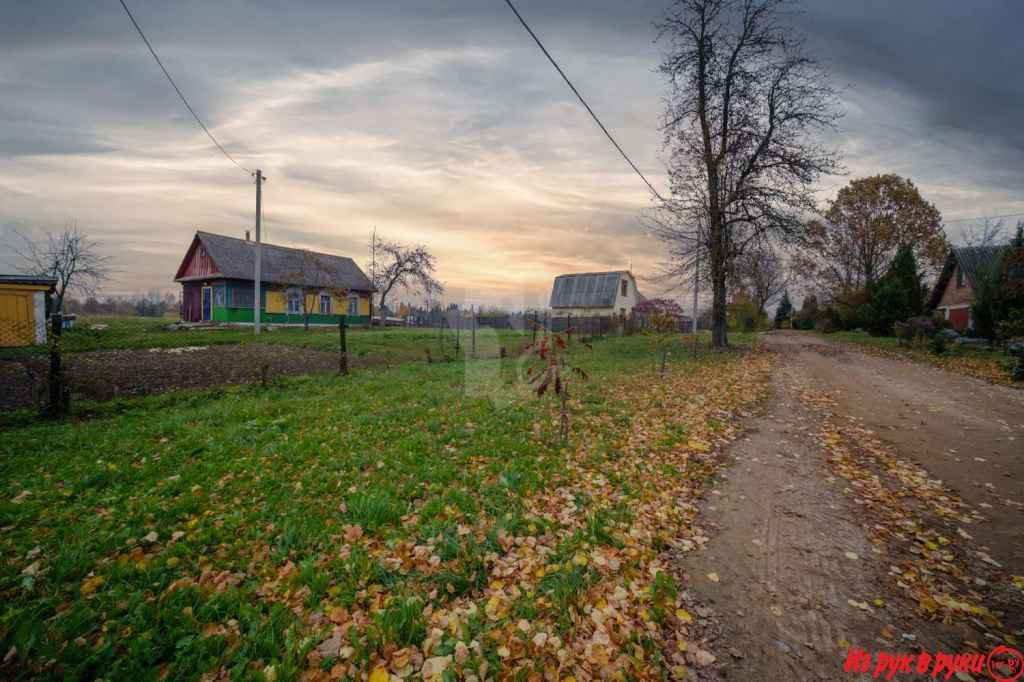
(595, 294)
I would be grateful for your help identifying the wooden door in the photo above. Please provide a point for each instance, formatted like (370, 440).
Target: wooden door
(207, 303)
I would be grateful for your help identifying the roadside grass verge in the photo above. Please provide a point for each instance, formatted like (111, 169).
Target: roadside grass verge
(990, 365)
(403, 520)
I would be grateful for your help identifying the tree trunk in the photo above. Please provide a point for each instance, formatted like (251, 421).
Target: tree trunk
(380, 310)
(719, 337)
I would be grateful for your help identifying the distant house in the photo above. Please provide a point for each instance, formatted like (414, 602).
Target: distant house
(961, 275)
(595, 294)
(216, 276)
(23, 309)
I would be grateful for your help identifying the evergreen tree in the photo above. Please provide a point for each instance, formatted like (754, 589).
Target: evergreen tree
(898, 295)
(784, 311)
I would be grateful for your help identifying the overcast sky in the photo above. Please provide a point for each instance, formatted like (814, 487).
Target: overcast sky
(439, 122)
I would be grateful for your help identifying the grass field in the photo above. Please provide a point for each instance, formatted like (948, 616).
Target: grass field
(142, 333)
(990, 365)
(425, 519)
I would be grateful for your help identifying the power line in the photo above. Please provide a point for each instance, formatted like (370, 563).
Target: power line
(580, 97)
(982, 217)
(178, 90)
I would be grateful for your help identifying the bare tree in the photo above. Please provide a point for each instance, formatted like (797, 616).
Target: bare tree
(311, 277)
(70, 257)
(742, 110)
(987, 233)
(762, 271)
(408, 267)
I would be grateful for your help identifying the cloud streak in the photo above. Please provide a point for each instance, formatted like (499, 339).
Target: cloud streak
(442, 124)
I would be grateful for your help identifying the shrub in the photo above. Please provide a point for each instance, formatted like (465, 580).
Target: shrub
(937, 344)
(1012, 327)
(896, 296)
(784, 311)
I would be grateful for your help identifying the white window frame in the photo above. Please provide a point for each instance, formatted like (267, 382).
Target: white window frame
(296, 298)
(325, 297)
(353, 305)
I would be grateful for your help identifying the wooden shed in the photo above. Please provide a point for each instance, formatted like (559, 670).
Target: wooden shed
(24, 303)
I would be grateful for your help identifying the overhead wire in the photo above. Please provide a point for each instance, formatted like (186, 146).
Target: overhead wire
(178, 90)
(580, 98)
(981, 217)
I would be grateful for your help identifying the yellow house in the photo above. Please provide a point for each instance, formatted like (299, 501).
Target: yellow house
(23, 309)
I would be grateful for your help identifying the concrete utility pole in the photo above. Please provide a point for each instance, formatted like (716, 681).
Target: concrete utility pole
(696, 287)
(259, 254)
(373, 269)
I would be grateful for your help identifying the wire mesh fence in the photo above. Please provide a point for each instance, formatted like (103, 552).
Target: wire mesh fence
(68, 359)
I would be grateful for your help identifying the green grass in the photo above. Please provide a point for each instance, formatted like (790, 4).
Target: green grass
(183, 536)
(389, 344)
(990, 365)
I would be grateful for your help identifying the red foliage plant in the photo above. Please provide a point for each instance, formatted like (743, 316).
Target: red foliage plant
(553, 371)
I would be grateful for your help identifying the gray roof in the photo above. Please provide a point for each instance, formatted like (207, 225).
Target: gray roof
(235, 259)
(977, 262)
(587, 289)
(28, 279)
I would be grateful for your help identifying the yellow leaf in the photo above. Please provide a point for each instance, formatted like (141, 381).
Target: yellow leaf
(90, 585)
(379, 675)
(684, 616)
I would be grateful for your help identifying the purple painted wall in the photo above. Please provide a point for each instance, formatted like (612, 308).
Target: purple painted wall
(192, 302)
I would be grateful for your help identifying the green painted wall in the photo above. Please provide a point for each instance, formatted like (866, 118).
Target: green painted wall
(225, 301)
(245, 315)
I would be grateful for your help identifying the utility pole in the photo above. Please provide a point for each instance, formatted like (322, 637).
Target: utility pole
(259, 252)
(696, 286)
(373, 269)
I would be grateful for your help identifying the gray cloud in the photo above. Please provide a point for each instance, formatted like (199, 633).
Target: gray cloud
(440, 122)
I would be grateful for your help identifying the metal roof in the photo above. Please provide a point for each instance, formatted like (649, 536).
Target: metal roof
(236, 258)
(28, 279)
(977, 262)
(587, 289)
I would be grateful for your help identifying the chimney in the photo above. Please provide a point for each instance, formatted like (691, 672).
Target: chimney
(247, 235)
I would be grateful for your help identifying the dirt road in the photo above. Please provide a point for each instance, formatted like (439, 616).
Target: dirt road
(874, 503)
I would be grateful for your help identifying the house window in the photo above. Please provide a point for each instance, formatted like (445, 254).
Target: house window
(959, 277)
(294, 303)
(625, 287)
(325, 304)
(353, 305)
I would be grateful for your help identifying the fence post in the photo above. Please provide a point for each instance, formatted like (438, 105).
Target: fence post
(58, 399)
(342, 346)
(458, 328)
(568, 329)
(473, 310)
(534, 339)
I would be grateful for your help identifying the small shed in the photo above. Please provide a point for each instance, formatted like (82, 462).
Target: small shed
(24, 303)
(595, 294)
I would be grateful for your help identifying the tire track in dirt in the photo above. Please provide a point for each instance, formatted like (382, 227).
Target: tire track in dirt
(779, 536)
(801, 572)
